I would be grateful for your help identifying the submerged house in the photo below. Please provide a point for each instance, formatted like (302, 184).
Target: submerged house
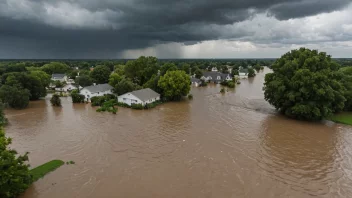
(195, 81)
(143, 97)
(243, 73)
(216, 77)
(96, 90)
(59, 77)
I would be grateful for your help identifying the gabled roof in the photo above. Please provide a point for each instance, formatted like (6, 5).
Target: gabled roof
(145, 94)
(58, 75)
(195, 80)
(214, 75)
(98, 88)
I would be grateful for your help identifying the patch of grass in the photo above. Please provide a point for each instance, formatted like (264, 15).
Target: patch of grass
(343, 118)
(46, 168)
(70, 162)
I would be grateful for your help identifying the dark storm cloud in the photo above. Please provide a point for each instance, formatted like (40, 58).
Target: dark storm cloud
(102, 28)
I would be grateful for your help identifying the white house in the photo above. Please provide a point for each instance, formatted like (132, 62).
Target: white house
(195, 81)
(243, 73)
(59, 77)
(216, 77)
(96, 90)
(143, 96)
(66, 88)
(214, 69)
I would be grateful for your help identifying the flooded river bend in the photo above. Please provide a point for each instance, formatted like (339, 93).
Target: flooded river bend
(231, 145)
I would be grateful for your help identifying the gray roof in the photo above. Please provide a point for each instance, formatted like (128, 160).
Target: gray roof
(98, 88)
(214, 75)
(243, 71)
(58, 75)
(195, 80)
(145, 94)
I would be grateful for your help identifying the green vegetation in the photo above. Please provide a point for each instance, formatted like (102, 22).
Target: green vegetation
(55, 100)
(14, 171)
(76, 97)
(70, 162)
(99, 100)
(108, 106)
(190, 96)
(251, 73)
(222, 90)
(229, 84)
(84, 81)
(44, 169)
(305, 85)
(100, 74)
(175, 84)
(137, 106)
(344, 118)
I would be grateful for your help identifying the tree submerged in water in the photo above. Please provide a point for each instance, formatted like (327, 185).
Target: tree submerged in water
(304, 85)
(55, 100)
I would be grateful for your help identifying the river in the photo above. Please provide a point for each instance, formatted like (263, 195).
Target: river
(216, 145)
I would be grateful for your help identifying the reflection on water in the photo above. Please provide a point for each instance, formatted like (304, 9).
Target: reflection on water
(217, 145)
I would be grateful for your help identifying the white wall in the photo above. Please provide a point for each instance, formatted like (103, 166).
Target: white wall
(88, 95)
(129, 99)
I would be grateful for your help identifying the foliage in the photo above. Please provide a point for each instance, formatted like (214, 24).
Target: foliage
(84, 81)
(137, 106)
(59, 84)
(346, 80)
(190, 96)
(76, 97)
(344, 118)
(251, 72)
(141, 69)
(304, 85)
(257, 67)
(152, 83)
(42, 76)
(186, 68)
(100, 100)
(73, 74)
(125, 86)
(222, 90)
(175, 84)
(198, 73)
(14, 172)
(108, 106)
(55, 100)
(203, 83)
(167, 67)
(100, 74)
(261, 67)
(44, 169)
(55, 68)
(235, 72)
(3, 119)
(229, 84)
(122, 104)
(114, 79)
(15, 97)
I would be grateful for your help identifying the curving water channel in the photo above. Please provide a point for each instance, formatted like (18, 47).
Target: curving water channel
(231, 145)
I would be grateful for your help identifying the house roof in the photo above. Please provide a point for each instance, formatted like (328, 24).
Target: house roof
(145, 94)
(58, 75)
(195, 80)
(243, 71)
(214, 75)
(98, 88)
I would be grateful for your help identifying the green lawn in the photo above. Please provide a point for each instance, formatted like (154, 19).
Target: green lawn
(344, 118)
(46, 168)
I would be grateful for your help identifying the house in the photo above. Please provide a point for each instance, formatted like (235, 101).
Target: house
(67, 88)
(214, 69)
(96, 90)
(216, 77)
(243, 73)
(143, 96)
(195, 81)
(59, 77)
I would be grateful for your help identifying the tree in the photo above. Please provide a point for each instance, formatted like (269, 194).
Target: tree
(42, 76)
(175, 84)
(251, 72)
(55, 67)
(14, 172)
(167, 67)
(76, 97)
(141, 69)
(152, 83)
(114, 79)
(186, 68)
(224, 69)
(124, 86)
(15, 97)
(235, 72)
(55, 100)
(59, 84)
(3, 119)
(346, 80)
(198, 73)
(73, 74)
(257, 67)
(100, 74)
(304, 85)
(84, 81)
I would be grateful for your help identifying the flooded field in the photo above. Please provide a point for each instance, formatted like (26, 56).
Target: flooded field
(217, 145)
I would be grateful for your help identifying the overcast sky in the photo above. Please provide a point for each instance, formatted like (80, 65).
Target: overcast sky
(173, 28)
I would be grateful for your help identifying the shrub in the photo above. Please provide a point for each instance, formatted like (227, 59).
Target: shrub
(55, 100)
(76, 97)
(108, 106)
(231, 84)
(137, 106)
(222, 90)
(121, 104)
(190, 96)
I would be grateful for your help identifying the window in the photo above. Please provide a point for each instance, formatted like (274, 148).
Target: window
(219, 77)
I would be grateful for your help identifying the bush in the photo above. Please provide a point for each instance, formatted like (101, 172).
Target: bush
(14, 172)
(222, 90)
(76, 97)
(152, 105)
(137, 106)
(99, 100)
(55, 100)
(108, 106)
(190, 96)
(121, 104)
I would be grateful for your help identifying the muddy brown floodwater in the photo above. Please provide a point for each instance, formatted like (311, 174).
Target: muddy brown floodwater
(217, 145)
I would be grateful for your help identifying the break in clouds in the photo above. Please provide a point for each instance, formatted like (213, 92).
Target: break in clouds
(172, 29)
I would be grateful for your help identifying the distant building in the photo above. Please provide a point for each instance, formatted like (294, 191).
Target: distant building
(143, 97)
(195, 81)
(216, 77)
(243, 73)
(59, 77)
(214, 69)
(96, 90)
(66, 88)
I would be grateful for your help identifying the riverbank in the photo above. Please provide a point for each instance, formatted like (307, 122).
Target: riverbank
(343, 118)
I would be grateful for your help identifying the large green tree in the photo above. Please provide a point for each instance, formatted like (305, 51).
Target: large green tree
(42, 76)
(167, 67)
(14, 96)
(124, 86)
(141, 69)
(251, 72)
(31, 82)
(84, 81)
(175, 84)
(346, 80)
(55, 67)
(100, 74)
(114, 79)
(15, 177)
(305, 85)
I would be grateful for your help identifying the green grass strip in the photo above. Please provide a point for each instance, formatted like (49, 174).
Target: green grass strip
(343, 118)
(46, 168)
